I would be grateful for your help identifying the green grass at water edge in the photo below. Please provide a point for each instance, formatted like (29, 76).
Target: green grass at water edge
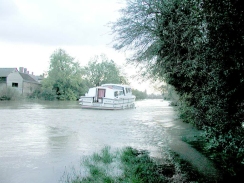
(139, 166)
(133, 166)
(105, 156)
(126, 165)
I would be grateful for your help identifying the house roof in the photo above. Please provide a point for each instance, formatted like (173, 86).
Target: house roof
(28, 78)
(4, 72)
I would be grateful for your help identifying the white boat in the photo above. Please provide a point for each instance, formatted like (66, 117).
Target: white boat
(108, 96)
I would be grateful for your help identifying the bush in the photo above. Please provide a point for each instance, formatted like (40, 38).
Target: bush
(197, 47)
(139, 94)
(44, 93)
(9, 93)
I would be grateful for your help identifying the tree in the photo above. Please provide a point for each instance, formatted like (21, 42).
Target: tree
(100, 70)
(139, 94)
(197, 47)
(165, 36)
(64, 78)
(222, 99)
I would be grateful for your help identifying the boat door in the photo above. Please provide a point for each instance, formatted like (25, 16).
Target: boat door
(100, 94)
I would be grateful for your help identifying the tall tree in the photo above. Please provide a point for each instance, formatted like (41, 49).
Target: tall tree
(64, 76)
(196, 46)
(165, 37)
(222, 100)
(101, 70)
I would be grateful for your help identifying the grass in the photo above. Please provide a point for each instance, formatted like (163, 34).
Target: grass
(136, 166)
(105, 156)
(122, 166)
(139, 167)
(130, 165)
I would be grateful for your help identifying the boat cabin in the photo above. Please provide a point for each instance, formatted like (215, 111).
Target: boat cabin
(108, 96)
(109, 91)
(121, 89)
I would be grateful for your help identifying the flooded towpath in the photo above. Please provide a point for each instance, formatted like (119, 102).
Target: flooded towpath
(40, 140)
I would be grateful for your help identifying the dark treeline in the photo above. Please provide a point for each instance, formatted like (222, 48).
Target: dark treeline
(197, 46)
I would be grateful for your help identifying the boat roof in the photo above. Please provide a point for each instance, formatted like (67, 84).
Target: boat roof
(121, 85)
(104, 87)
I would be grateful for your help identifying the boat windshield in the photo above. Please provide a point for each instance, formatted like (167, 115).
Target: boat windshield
(118, 93)
(114, 87)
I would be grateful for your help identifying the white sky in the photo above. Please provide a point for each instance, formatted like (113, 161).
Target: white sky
(31, 30)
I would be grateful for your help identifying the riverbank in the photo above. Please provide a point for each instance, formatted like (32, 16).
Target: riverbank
(225, 175)
(132, 165)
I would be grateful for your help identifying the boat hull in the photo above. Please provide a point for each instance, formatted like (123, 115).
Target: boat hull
(107, 104)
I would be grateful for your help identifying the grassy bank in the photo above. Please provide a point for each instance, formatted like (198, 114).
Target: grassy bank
(132, 165)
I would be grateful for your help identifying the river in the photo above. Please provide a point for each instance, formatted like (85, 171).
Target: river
(39, 140)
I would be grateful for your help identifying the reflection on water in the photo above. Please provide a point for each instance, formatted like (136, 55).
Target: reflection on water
(40, 139)
(39, 104)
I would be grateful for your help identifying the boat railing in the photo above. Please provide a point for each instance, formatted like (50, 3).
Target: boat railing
(108, 100)
(116, 102)
(87, 99)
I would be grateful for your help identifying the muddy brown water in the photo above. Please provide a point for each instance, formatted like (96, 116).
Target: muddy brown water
(39, 140)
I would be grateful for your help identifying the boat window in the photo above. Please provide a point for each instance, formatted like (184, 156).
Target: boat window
(116, 93)
(121, 93)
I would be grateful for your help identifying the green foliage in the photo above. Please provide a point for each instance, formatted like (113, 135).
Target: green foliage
(9, 93)
(197, 47)
(64, 78)
(171, 95)
(105, 157)
(139, 94)
(155, 96)
(202, 145)
(127, 165)
(44, 93)
(101, 70)
(139, 167)
(135, 166)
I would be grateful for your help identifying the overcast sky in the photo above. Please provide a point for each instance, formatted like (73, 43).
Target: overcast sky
(31, 30)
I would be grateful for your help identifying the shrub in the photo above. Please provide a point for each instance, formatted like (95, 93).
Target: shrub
(44, 93)
(9, 93)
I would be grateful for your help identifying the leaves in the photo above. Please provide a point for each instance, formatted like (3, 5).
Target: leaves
(64, 77)
(196, 46)
(101, 70)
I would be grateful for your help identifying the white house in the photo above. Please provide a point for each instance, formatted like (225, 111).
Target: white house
(20, 80)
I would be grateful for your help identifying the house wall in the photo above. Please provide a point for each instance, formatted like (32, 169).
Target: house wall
(29, 88)
(3, 85)
(15, 78)
(3, 82)
(24, 87)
